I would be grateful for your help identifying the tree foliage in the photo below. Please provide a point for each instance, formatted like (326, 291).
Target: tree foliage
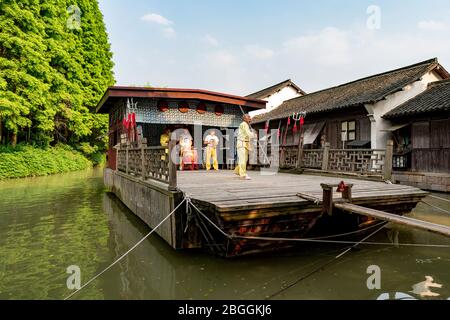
(55, 64)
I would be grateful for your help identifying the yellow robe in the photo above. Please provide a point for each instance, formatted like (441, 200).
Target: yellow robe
(243, 147)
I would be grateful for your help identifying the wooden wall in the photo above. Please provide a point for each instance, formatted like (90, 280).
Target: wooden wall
(332, 128)
(431, 145)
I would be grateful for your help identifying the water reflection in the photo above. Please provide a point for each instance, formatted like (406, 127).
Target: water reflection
(47, 224)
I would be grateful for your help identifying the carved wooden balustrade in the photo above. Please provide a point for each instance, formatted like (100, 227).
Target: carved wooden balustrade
(148, 163)
(376, 162)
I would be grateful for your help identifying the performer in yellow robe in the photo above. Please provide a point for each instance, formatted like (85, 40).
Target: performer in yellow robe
(211, 141)
(164, 141)
(243, 147)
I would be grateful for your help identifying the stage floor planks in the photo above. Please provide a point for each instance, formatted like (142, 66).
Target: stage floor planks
(225, 191)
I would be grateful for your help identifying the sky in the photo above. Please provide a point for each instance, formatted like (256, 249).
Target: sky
(243, 46)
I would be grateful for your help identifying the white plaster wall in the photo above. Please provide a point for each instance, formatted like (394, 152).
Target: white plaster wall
(377, 110)
(277, 99)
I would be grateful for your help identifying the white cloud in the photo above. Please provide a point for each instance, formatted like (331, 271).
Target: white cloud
(212, 41)
(156, 18)
(432, 25)
(330, 46)
(258, 52)
(169, 32)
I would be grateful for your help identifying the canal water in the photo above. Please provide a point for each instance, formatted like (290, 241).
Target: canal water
(50, 223)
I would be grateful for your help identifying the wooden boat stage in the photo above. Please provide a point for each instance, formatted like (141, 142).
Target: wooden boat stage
(267, 206)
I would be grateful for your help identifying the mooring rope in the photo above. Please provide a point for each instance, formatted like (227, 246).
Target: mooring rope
(131, 249)
(321, 267)
(443, 199)
(436, 207)
(316, 240)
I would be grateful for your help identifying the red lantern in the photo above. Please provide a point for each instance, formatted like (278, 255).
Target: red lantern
(302, 121)
(183, 107)
(201, 108)
(163, 106)
(289, 121)
(219, 110)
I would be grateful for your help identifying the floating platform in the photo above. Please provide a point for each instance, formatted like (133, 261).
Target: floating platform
(266, 206)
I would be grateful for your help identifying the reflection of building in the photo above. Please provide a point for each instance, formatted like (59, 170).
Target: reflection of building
(157, 109)
(276, 95)
(351, 115)
(421, 134)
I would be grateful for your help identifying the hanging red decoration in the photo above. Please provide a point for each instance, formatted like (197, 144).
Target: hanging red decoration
(302, 121)
(295, 127)
(163, 106)
(183, 107)
(289, 121)
(266, 127)
(201, 108)
(219, 110)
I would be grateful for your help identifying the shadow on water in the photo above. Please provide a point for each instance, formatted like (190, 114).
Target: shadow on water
(50, 223)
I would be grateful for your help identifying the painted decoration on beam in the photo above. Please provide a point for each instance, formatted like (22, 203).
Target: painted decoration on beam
(219, 110)
(201, 108)
(163, 106)
(183, 107)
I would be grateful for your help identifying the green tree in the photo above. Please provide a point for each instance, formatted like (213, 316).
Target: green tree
(55, 64)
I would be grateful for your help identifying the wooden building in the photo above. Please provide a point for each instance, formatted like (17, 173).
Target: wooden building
(156, 109)
(421, 132)
(275, 95)
(351, 115)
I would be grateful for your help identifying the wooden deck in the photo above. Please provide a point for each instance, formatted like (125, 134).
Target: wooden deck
(269, 206)
(225, 191)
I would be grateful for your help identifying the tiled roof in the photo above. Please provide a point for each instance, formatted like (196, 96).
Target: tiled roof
(435, 99)
(367, 90)
(275, 88)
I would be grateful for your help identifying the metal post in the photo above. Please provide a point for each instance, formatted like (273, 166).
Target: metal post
(128, 146)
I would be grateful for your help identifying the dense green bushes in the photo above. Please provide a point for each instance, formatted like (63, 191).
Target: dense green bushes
(28, 161)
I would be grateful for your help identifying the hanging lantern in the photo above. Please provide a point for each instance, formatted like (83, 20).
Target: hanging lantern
(201, 108)
(183, 107)
(266, 127)
(163, 106)
(302, 121)
(289, 121)
(219, 110)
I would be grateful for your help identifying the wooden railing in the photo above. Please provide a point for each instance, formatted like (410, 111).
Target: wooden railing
(360, 161)
(148, 163)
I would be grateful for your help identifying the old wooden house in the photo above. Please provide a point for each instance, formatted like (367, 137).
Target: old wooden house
(351, 115)
(421, 133)
(275, 95)
(158, 109)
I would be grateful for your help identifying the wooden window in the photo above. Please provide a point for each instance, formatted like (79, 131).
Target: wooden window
(348, 130)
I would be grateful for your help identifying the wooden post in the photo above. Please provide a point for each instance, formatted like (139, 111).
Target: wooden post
(143, 146)
(387, 172)
(347, 193)
(300, 152)
(326, 156)
(117, 148)
(126, 158)
(172, 167)
(327, 198)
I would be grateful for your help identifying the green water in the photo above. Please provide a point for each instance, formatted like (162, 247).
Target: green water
(50, 223)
